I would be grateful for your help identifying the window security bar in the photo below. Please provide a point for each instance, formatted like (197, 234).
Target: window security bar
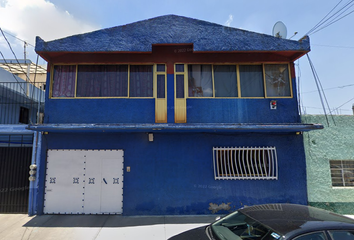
(254, 163)
(342, 173)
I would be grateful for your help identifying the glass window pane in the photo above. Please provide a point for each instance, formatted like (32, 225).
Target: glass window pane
(311, 236)
(179, 86)
(225, 81)
(141, 81)
(277, 80)
(342, 173)
(64, 81)
(342, 235)
(160, 86)
(200, 82)
(251, 81)
(160, 67)
(179, 67)
(102, 81)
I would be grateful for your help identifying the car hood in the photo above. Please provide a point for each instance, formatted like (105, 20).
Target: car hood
(193, 234)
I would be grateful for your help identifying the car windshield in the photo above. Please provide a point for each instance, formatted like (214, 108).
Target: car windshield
(238, 226)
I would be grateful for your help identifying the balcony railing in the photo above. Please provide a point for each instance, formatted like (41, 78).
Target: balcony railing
(21, 102)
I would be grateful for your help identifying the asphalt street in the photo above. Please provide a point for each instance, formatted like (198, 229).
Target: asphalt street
(97, 227)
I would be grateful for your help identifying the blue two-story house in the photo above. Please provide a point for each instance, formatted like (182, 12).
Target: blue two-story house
(170, 115)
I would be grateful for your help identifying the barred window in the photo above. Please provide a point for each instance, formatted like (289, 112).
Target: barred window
(245, 163)
(342, 173)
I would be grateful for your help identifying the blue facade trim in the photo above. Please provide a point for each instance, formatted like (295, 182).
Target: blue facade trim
(171, 29)
(14, 129)
(100, 110)
(178, 127)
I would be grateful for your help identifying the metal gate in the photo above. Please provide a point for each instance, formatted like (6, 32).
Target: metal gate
(14, 185)
(84, 182)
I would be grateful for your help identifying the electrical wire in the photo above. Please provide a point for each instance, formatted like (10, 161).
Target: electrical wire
(320, 89)
(341, 105)
(300, 106)
(13, 75)
(334, 21)
(344, 86)
(335, 17)
(18, 38)
(320, 22)
(320, 45)
(27, 77)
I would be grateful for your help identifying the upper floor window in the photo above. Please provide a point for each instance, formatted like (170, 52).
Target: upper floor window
(246, 81)
(103, 80)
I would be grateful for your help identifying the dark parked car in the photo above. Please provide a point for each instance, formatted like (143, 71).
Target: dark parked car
(275, 222)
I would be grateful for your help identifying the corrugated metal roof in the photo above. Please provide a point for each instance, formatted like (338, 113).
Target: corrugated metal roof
(20, 66)
(171, 29)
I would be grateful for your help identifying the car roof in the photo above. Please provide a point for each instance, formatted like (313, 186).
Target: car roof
(294, 219)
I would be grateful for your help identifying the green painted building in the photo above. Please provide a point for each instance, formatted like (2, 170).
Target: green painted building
(330, 163)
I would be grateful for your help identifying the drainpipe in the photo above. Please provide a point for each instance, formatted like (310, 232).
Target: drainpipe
(28, 78)
(32, 200)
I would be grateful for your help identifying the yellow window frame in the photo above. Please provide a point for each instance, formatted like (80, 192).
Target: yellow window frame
(238, 80)
(128, 87)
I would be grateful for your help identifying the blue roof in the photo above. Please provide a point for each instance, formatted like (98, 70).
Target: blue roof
(171, 29)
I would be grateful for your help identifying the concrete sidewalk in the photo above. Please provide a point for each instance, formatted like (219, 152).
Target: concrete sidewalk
(96, 227)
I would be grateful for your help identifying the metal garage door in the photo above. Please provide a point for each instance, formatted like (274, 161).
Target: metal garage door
(84, 182)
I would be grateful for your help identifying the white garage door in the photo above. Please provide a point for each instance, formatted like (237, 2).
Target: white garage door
(84, 182)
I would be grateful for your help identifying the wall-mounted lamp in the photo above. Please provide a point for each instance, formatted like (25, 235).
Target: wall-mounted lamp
(151, 137)
(273, 104)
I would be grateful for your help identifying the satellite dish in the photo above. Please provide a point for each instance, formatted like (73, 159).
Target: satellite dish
(279, 30)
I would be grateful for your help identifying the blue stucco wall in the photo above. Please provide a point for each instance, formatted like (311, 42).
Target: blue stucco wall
(174, 173)
(199, 110)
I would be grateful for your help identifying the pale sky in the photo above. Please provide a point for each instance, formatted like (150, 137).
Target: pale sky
(332, 48)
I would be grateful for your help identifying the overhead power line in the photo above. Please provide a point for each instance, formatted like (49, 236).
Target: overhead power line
(320, 89)
(335, 17)
(27, 77)
(331, 46)
(342, 105)
(344, 86)
(18, 38)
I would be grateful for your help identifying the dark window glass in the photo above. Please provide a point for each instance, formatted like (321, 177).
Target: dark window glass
(251, 81)
(179, 67)
(342, 235)
(64, 81)
(160, 86)
(179, 86)
(312, 236)
(102, 81)
(24, 115)
(160, 67)
(141, 81)
(225, 81)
